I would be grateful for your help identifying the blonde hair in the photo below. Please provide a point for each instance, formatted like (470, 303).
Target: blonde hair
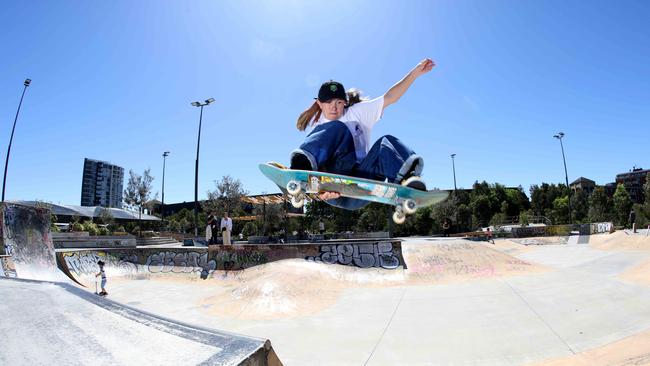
(313, 113)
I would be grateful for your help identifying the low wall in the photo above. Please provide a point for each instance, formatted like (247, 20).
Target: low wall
(562, 230)
(82, 263)
(64, 240)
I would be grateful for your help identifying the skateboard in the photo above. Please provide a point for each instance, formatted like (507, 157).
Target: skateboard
(299, 183)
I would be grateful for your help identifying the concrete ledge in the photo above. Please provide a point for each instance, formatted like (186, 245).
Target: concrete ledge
(96, 242)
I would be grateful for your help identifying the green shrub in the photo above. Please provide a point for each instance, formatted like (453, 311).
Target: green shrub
(91, 228)
(103, 231)
(77, 227)
(558, 230)
(250, 229)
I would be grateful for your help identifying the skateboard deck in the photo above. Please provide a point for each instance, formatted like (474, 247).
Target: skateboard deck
(298, 183)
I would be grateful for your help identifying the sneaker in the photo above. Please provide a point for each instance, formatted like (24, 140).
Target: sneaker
(300, 162)
(415, 182)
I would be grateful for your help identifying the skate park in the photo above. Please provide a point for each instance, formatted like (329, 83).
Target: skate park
(138, 225)
(579, 299)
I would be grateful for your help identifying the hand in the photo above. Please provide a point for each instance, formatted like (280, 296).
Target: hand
(325, 196)
(423, 67)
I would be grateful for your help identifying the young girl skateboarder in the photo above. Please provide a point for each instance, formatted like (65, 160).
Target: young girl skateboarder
(339, 141)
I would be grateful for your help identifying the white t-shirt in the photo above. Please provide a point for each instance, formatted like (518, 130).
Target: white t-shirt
(360, 119)
(227, 223)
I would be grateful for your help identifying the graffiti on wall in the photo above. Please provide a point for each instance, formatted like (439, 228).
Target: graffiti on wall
(85, 262)
(601, 227)
(7, 268)
(26, 236)
(378, 254)
(180, 262)
(240, 259)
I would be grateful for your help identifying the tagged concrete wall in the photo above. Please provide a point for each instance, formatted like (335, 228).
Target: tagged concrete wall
(26, 241)
(562, 230)
(81, 264)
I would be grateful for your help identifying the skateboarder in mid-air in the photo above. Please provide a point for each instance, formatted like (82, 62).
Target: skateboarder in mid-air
(340, 126)
(102, 273)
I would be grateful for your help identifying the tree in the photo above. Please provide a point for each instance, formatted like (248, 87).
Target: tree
(270, 217)
(138, 190)
(599, 206)
(481, 209)
(646, 195)
(622, 204)
(447, 209)
(422, 223)
(579, 205)
(542, 197)
(106, 218)
(560, 212)
(226, 197)
(374, 217)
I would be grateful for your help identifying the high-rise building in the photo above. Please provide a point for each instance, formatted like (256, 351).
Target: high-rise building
(101, 184)
(633, 182)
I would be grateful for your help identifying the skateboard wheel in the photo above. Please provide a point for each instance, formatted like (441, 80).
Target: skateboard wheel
(399, 217)
(409, 206)
(293, 188)
(297, 202)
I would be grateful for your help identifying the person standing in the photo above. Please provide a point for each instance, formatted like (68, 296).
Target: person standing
(632, 221)
(446, 226)
(489, 236)
(226, 228)
(102, 273)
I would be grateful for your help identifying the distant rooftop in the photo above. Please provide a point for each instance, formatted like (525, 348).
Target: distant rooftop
(87, 211)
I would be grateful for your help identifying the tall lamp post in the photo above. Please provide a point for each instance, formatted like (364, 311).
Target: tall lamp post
(165, 155)
(196, 166)
(453, 165)
(4, 179)
(559, 136)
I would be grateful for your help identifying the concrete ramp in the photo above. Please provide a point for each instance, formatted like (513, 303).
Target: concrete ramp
(70, 326)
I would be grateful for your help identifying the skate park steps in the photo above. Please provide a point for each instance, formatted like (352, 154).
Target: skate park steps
(156, 240)
(83, 240)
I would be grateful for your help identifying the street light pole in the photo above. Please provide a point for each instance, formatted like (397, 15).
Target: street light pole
(4, 179)
(196, 166)
(453, 164)
(165, 155)
(559, 136)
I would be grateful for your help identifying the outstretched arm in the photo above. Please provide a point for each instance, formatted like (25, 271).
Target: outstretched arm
(396, 91)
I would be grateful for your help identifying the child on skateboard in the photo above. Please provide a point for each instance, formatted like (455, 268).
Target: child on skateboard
(102, 273)
(339, 141)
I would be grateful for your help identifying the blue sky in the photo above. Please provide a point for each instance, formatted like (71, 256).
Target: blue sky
(114, 81)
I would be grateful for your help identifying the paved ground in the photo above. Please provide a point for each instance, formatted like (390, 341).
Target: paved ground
(459, 303)
(575, 305)
(58, 324)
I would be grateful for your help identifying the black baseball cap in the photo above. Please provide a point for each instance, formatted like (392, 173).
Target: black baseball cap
(331, 90)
